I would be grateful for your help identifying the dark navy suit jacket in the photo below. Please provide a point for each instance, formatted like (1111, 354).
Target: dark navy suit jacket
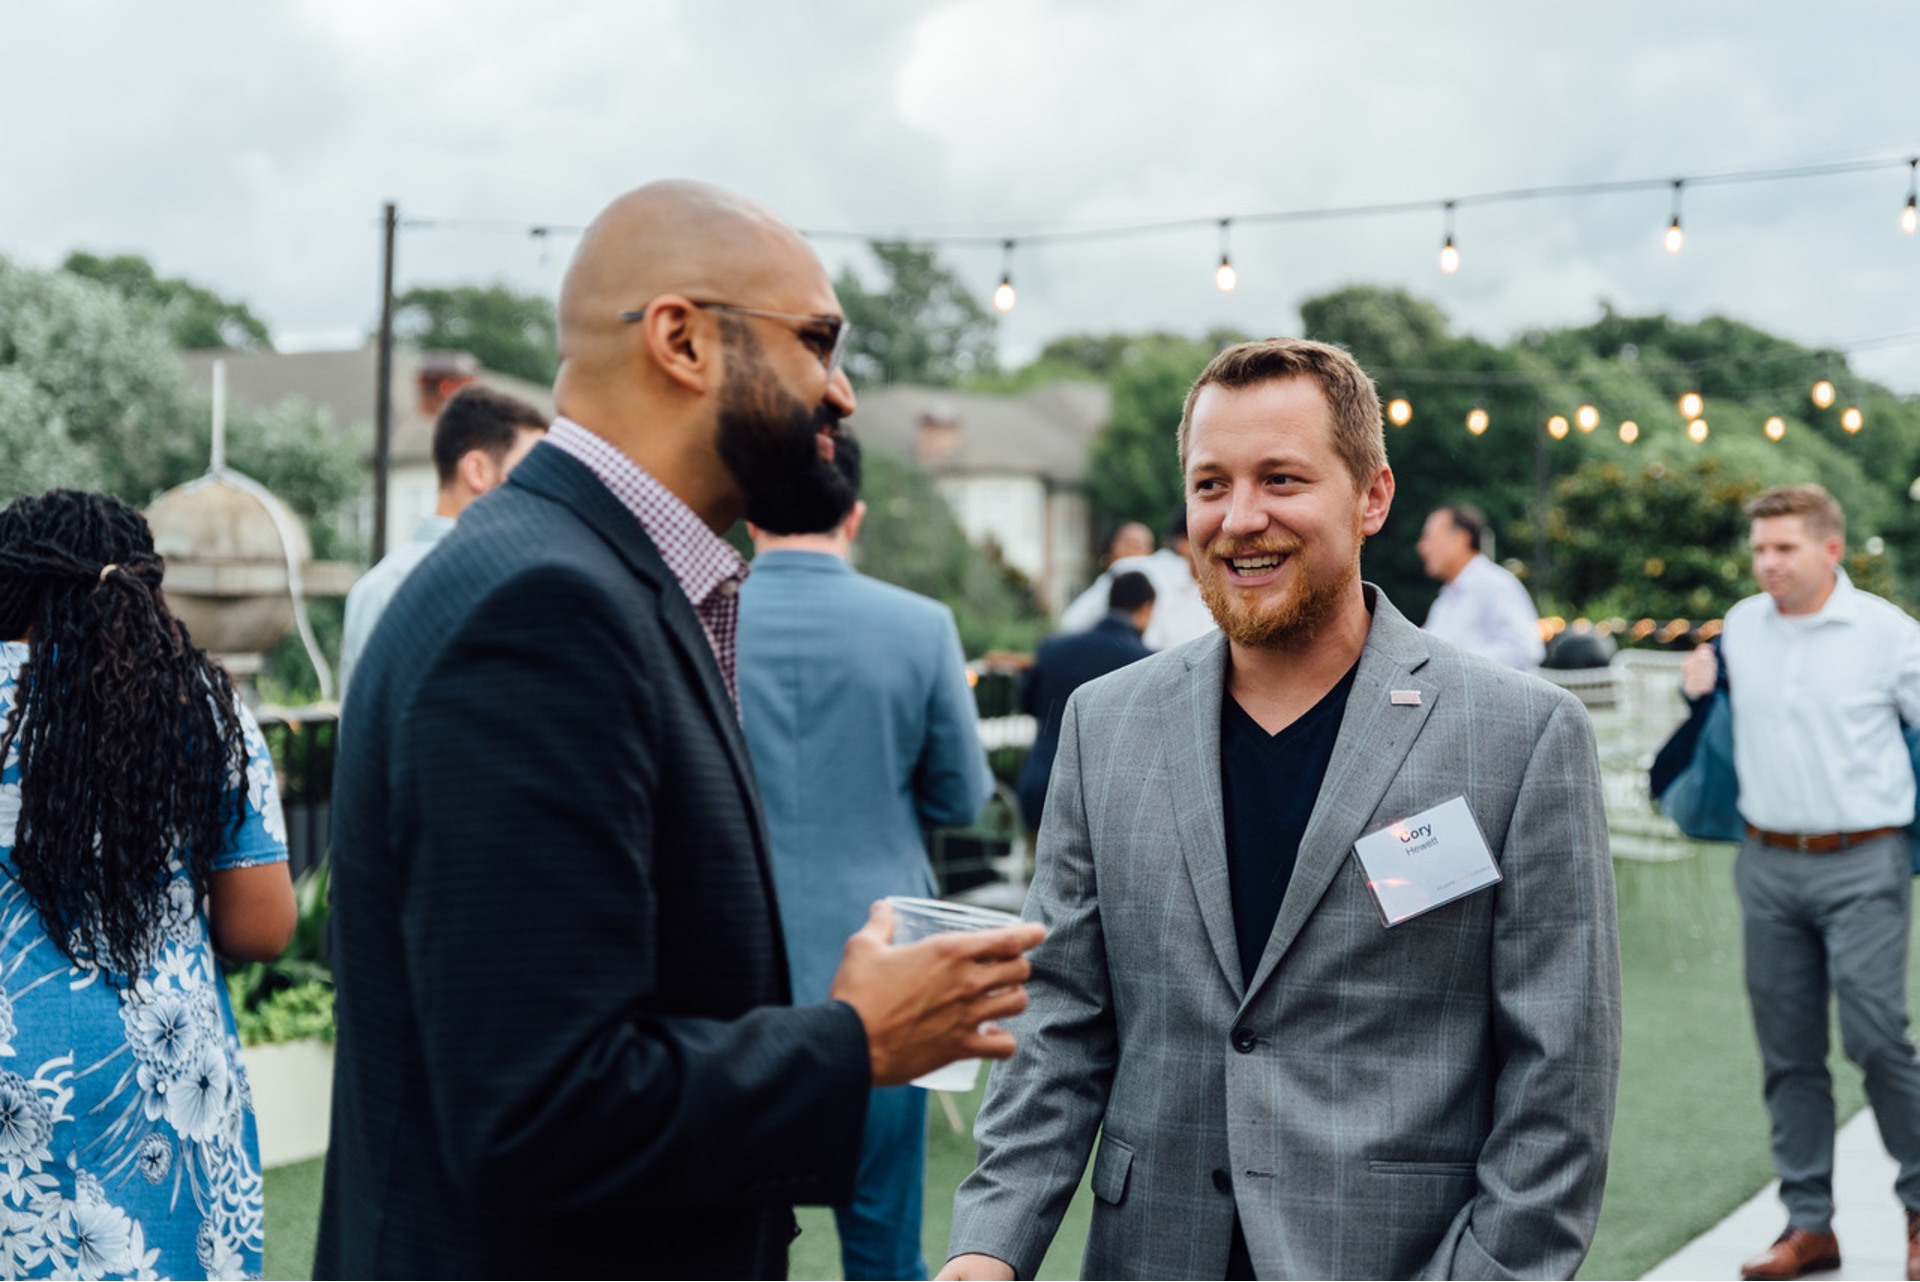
(564, 1047)
(1063, 665)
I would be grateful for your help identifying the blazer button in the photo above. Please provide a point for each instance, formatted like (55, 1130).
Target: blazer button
(1222, 1181)
(1244, 1041)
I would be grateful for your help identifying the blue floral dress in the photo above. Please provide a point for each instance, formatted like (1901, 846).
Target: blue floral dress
(127, 1140)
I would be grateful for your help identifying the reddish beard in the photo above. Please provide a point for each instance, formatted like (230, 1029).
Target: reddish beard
(1296, 617)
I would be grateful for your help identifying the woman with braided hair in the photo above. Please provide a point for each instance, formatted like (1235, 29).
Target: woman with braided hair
(140, 833)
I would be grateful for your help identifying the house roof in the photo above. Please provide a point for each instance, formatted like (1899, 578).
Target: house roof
(1043, 432)
(342, 383)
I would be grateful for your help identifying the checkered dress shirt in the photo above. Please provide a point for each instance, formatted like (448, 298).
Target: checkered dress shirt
(705, 565)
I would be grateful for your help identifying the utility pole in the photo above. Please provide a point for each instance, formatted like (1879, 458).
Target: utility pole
(383, 392)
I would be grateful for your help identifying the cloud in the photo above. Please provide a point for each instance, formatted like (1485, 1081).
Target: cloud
(250, 146)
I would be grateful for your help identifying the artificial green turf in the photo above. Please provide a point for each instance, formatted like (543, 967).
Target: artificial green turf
(1689, 1141)
(816, 1252)
(293, 1218)
(1690, 1135)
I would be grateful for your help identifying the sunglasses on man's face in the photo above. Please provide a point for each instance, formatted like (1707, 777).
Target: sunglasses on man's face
(824, 336)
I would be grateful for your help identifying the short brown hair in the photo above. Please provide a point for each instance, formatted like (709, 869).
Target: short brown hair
(1811, 503)
(479, 418)
(1358, 435)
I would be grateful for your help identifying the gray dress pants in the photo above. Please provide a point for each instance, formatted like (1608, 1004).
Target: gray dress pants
(1820, 923)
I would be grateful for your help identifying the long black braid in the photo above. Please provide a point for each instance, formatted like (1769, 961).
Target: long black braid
(128, 735)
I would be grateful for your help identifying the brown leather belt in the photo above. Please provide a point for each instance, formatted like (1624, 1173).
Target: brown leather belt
(1820, 843)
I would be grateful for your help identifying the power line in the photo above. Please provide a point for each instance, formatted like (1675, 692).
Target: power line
(1058, 235)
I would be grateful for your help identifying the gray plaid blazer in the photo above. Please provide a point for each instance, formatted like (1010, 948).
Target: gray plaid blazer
(1433, 1099)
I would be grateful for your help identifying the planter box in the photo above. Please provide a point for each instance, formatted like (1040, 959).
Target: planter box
(292, 1098)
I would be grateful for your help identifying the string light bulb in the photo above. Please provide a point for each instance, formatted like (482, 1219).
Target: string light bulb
(1449, 256)
(1691, 405)
(1557, 427)
(1675, 238)
(1588, 418)
(1822, 393)
(1629, 432)
(1224, 277)
(1003, 296)
(1476, 420)
(1697, 430)
(1399, 411)
(1852, 419)
(1910, 216)
(1776, 428)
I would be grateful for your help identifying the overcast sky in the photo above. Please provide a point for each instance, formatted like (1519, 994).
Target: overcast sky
(248, 146)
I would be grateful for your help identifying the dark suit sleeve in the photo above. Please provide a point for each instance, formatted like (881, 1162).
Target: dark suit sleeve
(951, 781)
(559, 1077)
(1556, 1033)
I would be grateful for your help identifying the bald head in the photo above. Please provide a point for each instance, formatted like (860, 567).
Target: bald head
(696, 336)
(676, 237)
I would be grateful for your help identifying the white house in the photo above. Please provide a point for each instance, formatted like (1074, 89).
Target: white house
(343, 383)
(1011, 466)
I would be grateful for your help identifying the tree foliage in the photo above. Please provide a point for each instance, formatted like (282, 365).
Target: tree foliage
(194, 317)
(912, 539)
(91, 393)
(1628, 367)
(505, 330)
(1644, 539)
(918, 325)
(91, 398)
(1133, 467)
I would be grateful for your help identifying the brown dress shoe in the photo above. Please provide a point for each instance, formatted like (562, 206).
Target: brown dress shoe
(1797, 1251)
(1913, 1245)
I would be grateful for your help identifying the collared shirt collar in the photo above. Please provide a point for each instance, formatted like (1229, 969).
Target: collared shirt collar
(1842, 606)
(432, 528)
(705, 565)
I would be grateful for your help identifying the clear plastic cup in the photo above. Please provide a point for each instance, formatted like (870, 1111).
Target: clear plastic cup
(917, 919)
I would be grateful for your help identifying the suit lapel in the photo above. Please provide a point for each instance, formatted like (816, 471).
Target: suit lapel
(559, 476)
(1199, 803)
(1375, 736)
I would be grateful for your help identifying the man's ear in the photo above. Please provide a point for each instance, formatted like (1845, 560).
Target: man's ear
(1375, 501)
(477, 472)
(851, 526)
(684, 348)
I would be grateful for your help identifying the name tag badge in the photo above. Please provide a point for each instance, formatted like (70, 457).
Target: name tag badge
(1426, 860)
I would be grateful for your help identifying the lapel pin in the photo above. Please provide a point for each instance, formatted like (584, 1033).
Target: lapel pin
(1404, 698)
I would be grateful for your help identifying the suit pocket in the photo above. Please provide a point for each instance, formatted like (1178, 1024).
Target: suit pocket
(1457, 1170)
(1110, 1168)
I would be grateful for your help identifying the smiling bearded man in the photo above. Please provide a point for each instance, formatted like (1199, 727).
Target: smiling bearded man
(1331, 969)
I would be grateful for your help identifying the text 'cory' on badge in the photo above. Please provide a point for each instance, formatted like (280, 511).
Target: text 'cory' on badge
(1426, 860)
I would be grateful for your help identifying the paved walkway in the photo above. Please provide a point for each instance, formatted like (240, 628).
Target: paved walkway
(1867, 1218)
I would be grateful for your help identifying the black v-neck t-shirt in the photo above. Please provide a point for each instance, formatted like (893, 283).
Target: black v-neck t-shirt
(1269, 784)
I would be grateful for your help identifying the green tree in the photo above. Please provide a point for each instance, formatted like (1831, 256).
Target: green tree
(911, 539)
(1653, 539)
(919, 325)
(91, 397)
(195, 317)
(505, 330)
(1133, 466)
(1389, 328)
(92, 387)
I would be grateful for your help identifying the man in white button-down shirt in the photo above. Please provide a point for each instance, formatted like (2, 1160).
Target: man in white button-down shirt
(1821, 676)
(1482, 607)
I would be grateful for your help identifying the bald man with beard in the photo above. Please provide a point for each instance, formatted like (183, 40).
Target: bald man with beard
(565, 1045)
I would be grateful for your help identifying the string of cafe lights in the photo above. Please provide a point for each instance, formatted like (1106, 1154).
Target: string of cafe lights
(1823, 392)
(1226, 277)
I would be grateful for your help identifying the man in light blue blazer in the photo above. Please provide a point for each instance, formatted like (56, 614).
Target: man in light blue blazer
(862, 729)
